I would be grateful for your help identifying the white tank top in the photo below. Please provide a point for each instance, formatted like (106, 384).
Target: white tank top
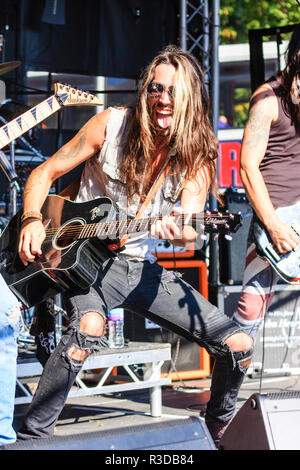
(101, 177)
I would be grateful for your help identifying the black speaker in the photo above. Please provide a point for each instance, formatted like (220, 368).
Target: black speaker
(189, 361)
(265, 422)
(188, 433)
(232, 253)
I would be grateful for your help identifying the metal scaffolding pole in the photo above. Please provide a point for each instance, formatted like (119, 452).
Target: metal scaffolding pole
(183, 25)
(199, 34)
(215, 81)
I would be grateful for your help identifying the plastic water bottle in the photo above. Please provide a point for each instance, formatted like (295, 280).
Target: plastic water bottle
(115, 328)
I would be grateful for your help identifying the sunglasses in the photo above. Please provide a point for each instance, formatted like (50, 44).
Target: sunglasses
(155, 90)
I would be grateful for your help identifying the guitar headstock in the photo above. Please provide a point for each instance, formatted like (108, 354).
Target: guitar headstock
(69, 96)
(222, 222)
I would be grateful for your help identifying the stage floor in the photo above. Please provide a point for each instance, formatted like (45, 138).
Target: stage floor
(96, 413)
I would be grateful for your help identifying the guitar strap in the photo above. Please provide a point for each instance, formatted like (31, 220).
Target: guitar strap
(157, 183)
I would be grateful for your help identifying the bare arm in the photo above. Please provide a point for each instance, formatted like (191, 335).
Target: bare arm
(254, 145)
(83, 146)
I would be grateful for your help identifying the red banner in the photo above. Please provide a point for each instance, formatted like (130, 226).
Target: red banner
(229, 164)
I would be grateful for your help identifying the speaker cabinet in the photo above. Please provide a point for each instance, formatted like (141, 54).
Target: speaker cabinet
(277, 344)
(265, 422)
(189, 433)
(232, 254)
(189, 361)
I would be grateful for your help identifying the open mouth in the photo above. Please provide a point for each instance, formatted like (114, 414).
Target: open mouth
(164, 117)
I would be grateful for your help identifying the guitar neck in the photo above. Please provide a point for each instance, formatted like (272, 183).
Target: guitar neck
(117, 229)
(28, 120)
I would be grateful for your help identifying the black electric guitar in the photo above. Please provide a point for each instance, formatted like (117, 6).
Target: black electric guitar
(64, 95)
(287, 265)
(79, 238)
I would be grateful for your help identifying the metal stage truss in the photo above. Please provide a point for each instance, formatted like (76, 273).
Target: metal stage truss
(199, 34)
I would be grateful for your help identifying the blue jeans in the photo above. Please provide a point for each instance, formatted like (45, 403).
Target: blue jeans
(145, 289)
(9, 328)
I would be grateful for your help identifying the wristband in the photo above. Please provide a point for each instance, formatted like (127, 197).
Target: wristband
(31, 215)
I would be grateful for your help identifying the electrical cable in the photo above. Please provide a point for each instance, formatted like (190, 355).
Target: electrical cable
(264, 330)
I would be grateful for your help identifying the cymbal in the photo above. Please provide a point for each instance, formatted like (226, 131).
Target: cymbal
(8, 66)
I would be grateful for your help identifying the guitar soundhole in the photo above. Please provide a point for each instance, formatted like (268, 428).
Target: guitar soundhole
(68, 234)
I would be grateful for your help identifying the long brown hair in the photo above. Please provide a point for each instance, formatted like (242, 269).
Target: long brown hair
(290, 77)
(190, 133)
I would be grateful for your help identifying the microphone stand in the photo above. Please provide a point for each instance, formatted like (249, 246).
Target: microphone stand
(10, 173)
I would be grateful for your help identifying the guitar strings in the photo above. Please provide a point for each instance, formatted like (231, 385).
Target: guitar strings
(104, 227)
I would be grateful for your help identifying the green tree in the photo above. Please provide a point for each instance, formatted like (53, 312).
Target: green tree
(238, 16)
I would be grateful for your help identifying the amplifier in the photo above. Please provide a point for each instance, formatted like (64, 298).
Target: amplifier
(232, 254)
(166, 250)
(189, 361)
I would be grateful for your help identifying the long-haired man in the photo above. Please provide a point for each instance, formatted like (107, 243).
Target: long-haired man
(124, 151)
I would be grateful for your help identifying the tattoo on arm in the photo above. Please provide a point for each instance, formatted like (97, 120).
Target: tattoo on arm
(34, 180)
(258, 124)
(72, 151)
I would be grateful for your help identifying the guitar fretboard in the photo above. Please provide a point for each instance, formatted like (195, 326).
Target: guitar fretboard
(120, 227)
(28, 120)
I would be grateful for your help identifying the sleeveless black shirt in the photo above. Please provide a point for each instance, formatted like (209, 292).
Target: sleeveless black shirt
(280, 166)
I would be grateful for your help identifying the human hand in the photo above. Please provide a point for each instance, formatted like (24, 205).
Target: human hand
(173, 228)
(283, 236)
(32, 236)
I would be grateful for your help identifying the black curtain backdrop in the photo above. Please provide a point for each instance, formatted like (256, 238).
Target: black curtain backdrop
(115, 38)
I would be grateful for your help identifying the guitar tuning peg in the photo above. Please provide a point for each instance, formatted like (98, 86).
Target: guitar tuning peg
(228, 237)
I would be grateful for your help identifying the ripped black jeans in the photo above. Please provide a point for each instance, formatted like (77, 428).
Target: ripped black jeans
(153, 292)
